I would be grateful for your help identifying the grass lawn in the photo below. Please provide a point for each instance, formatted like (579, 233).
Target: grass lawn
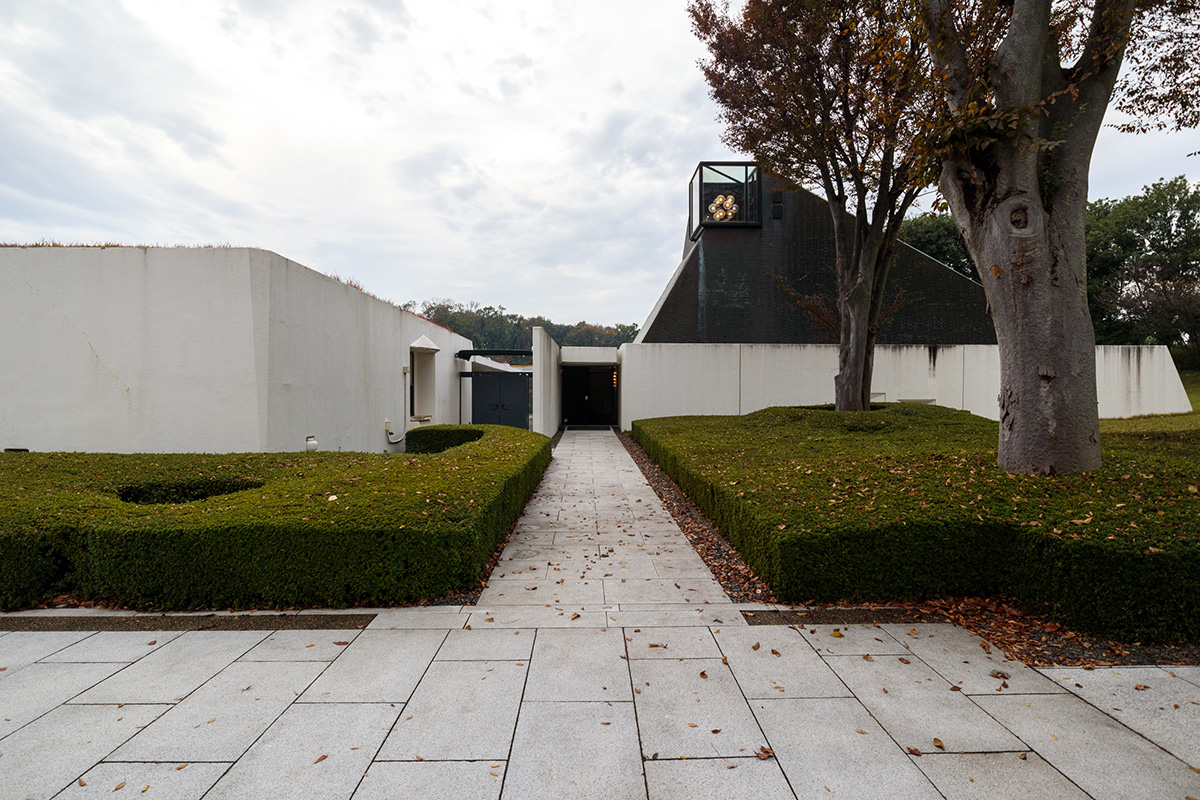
(907, 502)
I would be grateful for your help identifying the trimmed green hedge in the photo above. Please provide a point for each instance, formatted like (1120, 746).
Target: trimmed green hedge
(907, 503)
(330, 529)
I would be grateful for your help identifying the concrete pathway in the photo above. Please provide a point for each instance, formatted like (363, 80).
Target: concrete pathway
(603, 661)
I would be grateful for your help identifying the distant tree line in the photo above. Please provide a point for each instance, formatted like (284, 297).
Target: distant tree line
(1143, 265)
(492, 328)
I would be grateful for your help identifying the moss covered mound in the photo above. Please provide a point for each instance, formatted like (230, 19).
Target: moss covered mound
(244, 530)
(906, 502)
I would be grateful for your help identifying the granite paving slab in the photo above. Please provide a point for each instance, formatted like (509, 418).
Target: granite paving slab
(418, 619)
(220, 720)
(379, 666)
(572, 592)
(840, 640)
(55, 750)
(515, 616)
(1095, 752)
(1164, 709)
(487, 645)
(146, 781)
(773, 662)
(312, 751)
(174, 670)
(916, 705)
(432, 780)
(633, 590)
(114, 646)
(670, 643)
(823, 754)
(725, 778)
(316, 645)
(21, 648)
(579, 665)
(463, 710)
(985, 776)
(961, 657)
(692, 709)
(1191, 674)
(582, 751)
(39, 688)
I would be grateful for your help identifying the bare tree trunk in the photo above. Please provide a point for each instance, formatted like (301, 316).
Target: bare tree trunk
(1035, 277)
(853, 380)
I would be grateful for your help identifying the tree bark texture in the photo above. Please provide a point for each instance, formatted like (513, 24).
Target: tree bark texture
(1018, 191)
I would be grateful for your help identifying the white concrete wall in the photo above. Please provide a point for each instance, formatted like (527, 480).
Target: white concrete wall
(589, 356)
(200, 350)
(676, 379)
(547, 383)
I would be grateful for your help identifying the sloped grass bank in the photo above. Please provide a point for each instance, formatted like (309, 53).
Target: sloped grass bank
(330, 529)
(906, 502)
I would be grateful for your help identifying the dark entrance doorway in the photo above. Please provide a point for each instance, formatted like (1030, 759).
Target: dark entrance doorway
(500, 398)
(589, 395)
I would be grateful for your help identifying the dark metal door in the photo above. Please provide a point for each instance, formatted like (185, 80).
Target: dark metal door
(500, 398)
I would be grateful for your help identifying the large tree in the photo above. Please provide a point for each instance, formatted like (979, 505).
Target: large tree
(1027, 85)
(832, 93)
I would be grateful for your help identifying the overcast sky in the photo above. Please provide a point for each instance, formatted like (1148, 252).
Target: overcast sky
(532, 154)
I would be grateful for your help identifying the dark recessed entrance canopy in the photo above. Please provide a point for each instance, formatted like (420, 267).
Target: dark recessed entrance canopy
(725, 194)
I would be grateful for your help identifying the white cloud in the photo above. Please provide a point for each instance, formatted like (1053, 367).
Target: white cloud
(533, 155)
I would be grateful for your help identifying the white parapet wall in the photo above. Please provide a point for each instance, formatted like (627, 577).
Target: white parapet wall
(660, 380)
(547, 383)
(123, 349)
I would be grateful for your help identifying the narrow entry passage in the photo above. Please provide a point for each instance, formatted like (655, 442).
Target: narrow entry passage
(589, 395)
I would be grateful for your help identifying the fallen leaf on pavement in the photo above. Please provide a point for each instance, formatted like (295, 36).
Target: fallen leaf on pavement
(860, 730)
(836, 634)
(914, 751)
(938, 744)
(867, 658)
(320, 759)
(755, 646)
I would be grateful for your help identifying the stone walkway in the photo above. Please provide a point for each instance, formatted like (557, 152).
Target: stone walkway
(603, 661)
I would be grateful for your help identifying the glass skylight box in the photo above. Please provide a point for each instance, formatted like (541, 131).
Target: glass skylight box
(725, 194)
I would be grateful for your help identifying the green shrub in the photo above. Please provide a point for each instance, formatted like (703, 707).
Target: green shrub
(439, 438)
(329, 529)
(906, 503)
